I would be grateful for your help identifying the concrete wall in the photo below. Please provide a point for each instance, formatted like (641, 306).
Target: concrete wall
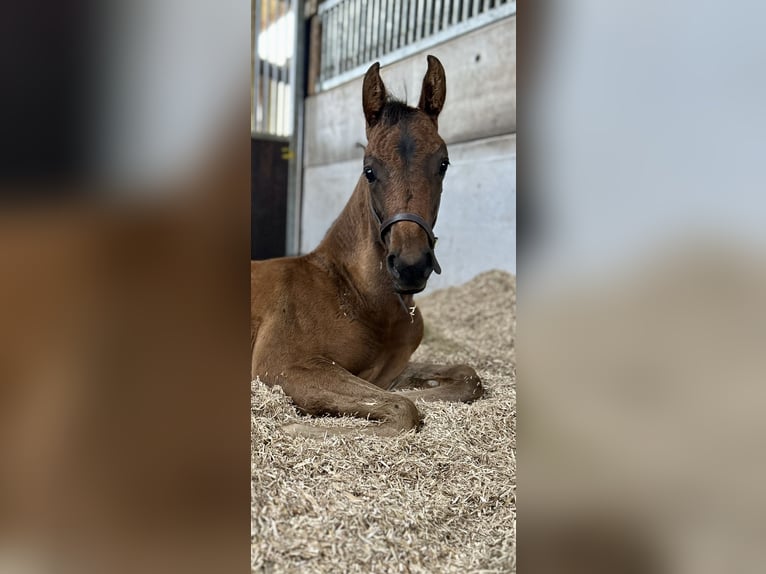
(477, 220)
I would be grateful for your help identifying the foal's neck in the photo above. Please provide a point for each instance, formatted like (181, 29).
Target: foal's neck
(352, 247)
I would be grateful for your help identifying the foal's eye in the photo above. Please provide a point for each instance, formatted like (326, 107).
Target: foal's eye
(369, 174)
(443, 167)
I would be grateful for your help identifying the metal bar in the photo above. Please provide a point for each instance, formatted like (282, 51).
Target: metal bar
(262, 70)
(455, 12)
(274, 71)
(381, 43)
(349, 58)
(396, 30)
(364, 14)
(369, 13)
(354, 50)
(382, 23)
(281, 109)
(417, 20)
(405, 23)
(349, 55)
(327, 51)
(276, 107)
(437, 16)
(381, 28)
(324, 64)
(361, 16)
(335, 43)
(255, 6)
(322, 48)
(466, 10)
(330, 32)
(285, 110)
(295, 164)
(353, 31)
(396, 18)
(410, 38)
(267, 73)
(274, 103)
(267, 69)
(289, 57)
(374, 27)
(342, 36)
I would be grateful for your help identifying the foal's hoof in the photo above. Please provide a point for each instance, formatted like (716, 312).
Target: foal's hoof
(469, 381)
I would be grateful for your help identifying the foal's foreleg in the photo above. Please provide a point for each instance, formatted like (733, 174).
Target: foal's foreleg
(324, 387)
(456, 383)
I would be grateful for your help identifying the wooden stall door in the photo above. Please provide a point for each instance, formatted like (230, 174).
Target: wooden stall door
(268, 184)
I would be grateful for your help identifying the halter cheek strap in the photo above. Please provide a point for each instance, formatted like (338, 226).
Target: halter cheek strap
(414, 219)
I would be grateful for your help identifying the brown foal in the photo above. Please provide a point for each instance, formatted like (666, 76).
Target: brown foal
(336, 328)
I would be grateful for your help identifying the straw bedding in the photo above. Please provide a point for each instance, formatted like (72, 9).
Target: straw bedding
(439, 500)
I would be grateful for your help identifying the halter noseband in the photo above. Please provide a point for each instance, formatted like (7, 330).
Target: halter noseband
(414, 219)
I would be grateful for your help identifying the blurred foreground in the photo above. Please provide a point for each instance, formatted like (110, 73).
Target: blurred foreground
(642, 430)
(642, 287)
(124, 303)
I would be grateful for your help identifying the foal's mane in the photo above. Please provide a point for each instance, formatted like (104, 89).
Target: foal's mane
(395, 110)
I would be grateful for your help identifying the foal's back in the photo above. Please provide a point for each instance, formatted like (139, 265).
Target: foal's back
(277, 285)
(295, 311)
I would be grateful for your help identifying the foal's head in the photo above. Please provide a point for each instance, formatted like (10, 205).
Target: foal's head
(404, 165)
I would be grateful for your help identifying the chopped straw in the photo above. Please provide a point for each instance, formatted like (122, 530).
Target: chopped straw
(439, 500)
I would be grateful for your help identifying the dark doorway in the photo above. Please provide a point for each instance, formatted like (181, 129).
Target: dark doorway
(268, 191)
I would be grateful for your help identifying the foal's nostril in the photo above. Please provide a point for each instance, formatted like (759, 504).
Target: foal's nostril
(391, 262)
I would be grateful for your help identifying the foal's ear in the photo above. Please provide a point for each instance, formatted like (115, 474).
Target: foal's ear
(434, 89)
(373, 95)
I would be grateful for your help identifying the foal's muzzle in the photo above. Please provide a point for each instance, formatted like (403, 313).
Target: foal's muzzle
(410, 273)
(410, 276)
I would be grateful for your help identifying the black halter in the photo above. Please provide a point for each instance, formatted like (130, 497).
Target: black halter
(384, 226)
